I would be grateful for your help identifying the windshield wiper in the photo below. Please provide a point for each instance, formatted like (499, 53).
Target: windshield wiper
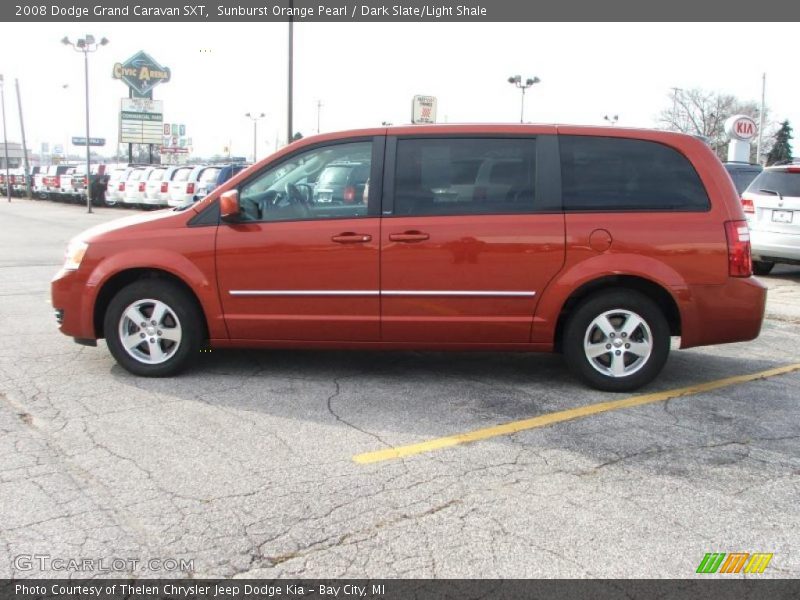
(772, 192)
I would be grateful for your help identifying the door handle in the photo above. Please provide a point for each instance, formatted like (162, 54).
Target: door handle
(349, 237)
(409, 236)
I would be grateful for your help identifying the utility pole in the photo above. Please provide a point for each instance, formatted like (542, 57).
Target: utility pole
(24, 144)
(5, 139)
(290, 100)
(761, 118)
(319, 109)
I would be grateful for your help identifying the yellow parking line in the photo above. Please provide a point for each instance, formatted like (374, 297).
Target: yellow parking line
(564, 415)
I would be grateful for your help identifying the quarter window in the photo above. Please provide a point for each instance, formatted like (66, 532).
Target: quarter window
(607, 174)
(459, 176)
(324, 183)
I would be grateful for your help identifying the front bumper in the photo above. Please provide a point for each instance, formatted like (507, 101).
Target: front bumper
(73, 303)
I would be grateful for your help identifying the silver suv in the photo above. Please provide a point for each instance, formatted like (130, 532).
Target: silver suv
(771, 204)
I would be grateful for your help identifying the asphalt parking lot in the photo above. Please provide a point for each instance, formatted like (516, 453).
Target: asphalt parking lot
(252, 463)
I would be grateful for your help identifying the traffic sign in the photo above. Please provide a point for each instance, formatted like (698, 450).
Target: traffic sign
(93, 141)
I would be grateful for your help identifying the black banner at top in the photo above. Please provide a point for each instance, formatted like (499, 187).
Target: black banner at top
(396, 10)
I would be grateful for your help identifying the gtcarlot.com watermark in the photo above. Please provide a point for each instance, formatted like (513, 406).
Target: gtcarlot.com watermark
(47, 562)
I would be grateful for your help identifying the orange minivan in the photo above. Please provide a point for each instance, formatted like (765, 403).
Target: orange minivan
(600, 243)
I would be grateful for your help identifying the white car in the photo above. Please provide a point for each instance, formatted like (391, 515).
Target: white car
(771, 204)
(178, 186)
(134, 187)
(116, 185)
(152, 178)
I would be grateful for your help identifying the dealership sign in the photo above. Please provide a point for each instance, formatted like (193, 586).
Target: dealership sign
(141, 73)
(423, 109)
(741, 127)
(141, 121)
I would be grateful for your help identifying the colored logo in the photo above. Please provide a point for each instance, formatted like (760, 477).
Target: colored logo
(734, 562)
(141, 74)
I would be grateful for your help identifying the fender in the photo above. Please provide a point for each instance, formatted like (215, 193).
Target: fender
(597, 266)
(202, 284)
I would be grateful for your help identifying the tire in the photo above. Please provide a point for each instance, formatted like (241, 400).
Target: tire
(761, 267)
(168, 346)
(601, 321)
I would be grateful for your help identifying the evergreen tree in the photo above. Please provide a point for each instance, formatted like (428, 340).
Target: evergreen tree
(781, 150)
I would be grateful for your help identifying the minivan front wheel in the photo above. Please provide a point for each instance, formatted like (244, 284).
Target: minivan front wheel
(617, 341)
(152, 328)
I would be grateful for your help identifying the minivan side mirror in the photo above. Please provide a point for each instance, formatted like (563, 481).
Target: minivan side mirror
(229, 206)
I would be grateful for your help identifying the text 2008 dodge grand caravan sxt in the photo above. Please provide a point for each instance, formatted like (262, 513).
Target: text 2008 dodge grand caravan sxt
(598, 242)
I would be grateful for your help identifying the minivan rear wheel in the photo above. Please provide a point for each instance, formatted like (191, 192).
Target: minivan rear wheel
(762, 267)
(153, 328)
(617, 341)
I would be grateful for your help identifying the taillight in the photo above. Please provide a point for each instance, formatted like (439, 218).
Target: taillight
(739, 260)
(793, 170)
(190, 188)
(85, 181)
(141, 186)
(121, 186)
(164, 187)
(57, 181)
(349, 194)
(747, 206)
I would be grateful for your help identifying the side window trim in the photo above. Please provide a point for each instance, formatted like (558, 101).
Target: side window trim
(376, 176)
(548, 174)
(549, 153)
(373, 203)
(389, 166)
(601, 209)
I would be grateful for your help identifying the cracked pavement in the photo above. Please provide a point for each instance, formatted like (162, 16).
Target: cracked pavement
(243, 465)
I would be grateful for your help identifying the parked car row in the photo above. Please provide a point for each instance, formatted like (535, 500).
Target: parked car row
(165, 185)
(142, 186)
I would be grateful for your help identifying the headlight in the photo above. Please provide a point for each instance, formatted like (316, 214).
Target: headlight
(74, 255)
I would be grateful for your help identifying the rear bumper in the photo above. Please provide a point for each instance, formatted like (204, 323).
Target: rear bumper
(719, 314)
(774, 245)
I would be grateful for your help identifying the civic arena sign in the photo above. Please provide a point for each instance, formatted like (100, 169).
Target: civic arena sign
(141, 73)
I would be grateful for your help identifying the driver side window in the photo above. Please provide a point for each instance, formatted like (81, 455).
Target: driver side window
(331, 182)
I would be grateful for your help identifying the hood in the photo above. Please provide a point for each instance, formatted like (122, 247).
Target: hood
(98, 231)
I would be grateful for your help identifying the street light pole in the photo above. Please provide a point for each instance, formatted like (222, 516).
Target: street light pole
(24, 144)
(86, 45)
(5, 139)
(255, 118)
(516, 80)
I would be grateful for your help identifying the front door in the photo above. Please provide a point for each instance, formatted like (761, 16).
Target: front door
(303, 263)
(471, 237)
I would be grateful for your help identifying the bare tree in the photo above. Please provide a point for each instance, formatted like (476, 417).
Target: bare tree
(702, 113)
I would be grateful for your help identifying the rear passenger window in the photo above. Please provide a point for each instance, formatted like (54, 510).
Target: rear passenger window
(607, 174)
(465, 176)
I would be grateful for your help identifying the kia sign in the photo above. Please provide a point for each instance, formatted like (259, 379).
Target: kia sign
(741, 127)
(423, 109)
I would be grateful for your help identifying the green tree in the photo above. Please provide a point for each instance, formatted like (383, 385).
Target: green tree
(781, 150)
